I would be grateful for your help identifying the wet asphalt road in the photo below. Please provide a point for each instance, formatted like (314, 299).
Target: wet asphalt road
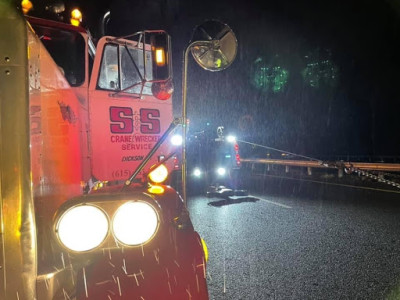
(305, 241)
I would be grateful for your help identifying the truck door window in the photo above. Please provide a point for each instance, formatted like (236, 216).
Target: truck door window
(109, 75)
(67, 48)
(122, 69)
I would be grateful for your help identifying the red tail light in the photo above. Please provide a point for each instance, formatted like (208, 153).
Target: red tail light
(238, 159)
(176, 163)
(237, 154)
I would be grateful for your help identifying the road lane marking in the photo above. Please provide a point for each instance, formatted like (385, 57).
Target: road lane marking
(274, 203)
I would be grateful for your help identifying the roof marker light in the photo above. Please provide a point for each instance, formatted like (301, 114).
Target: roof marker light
(76, 17)
(26, 6)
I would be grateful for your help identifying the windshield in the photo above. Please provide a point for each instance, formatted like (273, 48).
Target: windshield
(67, 48)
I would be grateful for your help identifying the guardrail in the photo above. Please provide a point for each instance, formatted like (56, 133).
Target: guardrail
(376, 176)
(388, 167)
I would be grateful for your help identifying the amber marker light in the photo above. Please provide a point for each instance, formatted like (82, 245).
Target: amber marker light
(156, 189)
(159, 174)
(160, 57)
(76, 17)
(26, 6)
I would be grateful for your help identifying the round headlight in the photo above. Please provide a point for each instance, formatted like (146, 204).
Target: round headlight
(221, 171)
(135, 223)
(82, 228)
(159, 174)
(197, 172)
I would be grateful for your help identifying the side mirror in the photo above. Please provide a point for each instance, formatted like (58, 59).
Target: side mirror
(162, 86)
(161, 52)
(214, 45)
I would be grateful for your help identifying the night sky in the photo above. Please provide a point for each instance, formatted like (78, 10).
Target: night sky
(318, 78)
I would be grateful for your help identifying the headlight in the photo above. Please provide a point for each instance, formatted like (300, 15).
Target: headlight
(231, 139)
(82, 228)
(159, 174)
(176, 140)
(135, 223)
(197, 172)
(221, 171)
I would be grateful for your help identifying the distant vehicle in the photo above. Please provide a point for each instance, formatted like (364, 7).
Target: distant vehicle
(215, 165)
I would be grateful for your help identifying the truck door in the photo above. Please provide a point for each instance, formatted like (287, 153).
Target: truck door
(126, 120)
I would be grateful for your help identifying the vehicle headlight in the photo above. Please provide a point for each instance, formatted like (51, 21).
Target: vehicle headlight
(221, 171)
(196, 172)
(159, 174)
(231, 139)
(176, 140)
(82, 228)
(135, 223)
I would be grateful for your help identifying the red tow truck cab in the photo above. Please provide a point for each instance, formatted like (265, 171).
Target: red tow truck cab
(94, 116)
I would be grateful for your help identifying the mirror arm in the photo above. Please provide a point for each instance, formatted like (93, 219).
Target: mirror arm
(171, 127)
(128, 88)
(184, 113)
(168, 157)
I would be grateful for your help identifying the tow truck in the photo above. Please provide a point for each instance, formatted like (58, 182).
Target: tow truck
(87, 211)
(217, 174)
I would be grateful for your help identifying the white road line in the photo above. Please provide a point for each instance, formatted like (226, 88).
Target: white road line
(274, 203)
